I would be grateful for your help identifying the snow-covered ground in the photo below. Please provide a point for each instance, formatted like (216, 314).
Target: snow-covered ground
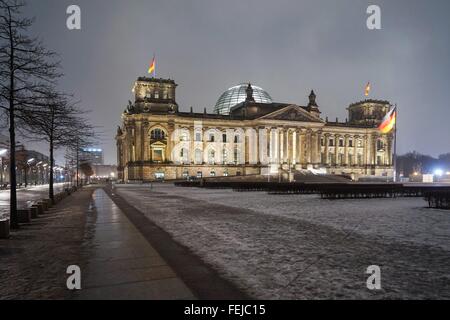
(301, 246)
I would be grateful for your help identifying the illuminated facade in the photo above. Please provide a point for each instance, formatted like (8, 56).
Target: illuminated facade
(156, 140)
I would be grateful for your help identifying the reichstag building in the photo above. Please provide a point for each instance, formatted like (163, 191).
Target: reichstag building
(247, 134)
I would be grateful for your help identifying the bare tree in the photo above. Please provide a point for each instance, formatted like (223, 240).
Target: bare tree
(86, 138)
(58, 122)
(25, 65)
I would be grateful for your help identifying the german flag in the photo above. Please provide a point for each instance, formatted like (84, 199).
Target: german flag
(152, 67)
(367, 90)
(388, 122)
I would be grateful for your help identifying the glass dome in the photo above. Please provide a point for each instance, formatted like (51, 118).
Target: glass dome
(236, 95)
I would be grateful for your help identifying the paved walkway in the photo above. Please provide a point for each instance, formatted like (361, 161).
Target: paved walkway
(34, 260)
(121, 263)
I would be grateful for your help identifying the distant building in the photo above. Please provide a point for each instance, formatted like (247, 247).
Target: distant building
(94, 156)
(105, 171)
(32, 166)
(4, 146)
(247, 134)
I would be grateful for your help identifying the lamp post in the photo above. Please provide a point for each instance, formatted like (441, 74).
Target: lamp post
(2, 153)
(27, 167)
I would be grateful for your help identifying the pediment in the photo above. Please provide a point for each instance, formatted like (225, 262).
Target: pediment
(158, 144)
(292, 113)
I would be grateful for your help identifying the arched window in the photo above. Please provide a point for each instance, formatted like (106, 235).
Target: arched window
(157, 134)
(380, 145)
(198, 156)
(184, 155)
(236, 139)
(184, 136)
(236, 155)
(211, 156)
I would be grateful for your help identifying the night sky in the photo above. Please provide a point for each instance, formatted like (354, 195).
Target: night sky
(286, 47)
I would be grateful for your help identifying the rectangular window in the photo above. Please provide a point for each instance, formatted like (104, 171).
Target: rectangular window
(350, 143)
(224, 138)
(360, 143)
(331, 158)
(331, 143)
(380, 145)
(360, 159)
(198, 136)
(157, 155)
(159, 175)
(341, 142)
(322, 142)
(379, 161)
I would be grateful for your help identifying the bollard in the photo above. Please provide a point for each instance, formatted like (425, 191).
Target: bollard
(40, 208)
(4, 229)
(44, 205)
(34, 212)
(24, 216)
(48, 202)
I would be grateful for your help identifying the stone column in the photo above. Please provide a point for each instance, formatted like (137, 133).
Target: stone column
(336, 149)
(316, 148)
(277, 146)
(281, 145)
(247, 147)
(346, 149)
(308, 146)
(262, 133)
(301, 147)
(288, 146)
(367, 149)
(294, 146)
(137, 141)
(191, 150)
(257, 160)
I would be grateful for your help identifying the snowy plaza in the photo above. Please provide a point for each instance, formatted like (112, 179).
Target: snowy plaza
(304, 247)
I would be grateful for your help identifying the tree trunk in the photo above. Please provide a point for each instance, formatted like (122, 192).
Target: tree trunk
(12, 137)
(78, 165)
(52, 163)
(12, 169)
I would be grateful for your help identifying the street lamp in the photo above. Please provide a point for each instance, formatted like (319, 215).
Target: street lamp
(27, 167)
(2, 153)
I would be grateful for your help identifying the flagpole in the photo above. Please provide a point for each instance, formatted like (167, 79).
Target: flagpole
(154, 59)
(395, 144)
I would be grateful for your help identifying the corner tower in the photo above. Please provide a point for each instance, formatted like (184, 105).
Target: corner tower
(154, 96)
(368, 112)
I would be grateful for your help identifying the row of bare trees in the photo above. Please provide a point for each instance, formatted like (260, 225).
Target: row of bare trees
(29, 97)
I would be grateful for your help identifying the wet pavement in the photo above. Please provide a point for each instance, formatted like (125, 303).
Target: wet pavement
(121, 263)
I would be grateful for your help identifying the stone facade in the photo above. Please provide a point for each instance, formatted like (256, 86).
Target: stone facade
(158, 141)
